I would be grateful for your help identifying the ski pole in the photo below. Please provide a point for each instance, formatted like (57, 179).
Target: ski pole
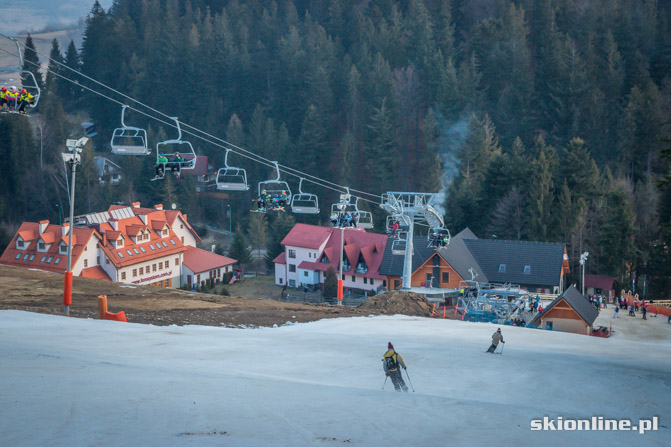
(385, 381)
(409, 381)
(502, 346)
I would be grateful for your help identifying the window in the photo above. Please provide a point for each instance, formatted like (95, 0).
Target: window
(292, 254)
(25, 258)
(397, 284)
(160, 266)
(19, 244)
(292, 268)
(173, 242)
(292, 283)
(143, 250)
(152, 247)
(63, 248)
(324, 259)
(42, 260)
(33, 257)
(527, 270)
(429, 277)
(134, 273)
(502, 268)
(446, 277)
(164, 244)
(86, 262)
(41, 246)
(176, 262)
(372, 282)
(58, 260)
(384, 283)
(181, 226)
(280, 280)
(182, 239)
(353, 278)
(98, 260)
(141, 271)
(130, 253)
(165, 232)
(120, 254)
(305, 273)
(123, 275)
(18, 256)
(153, 268)
(136, 252)
(119, 243)
(365, 280)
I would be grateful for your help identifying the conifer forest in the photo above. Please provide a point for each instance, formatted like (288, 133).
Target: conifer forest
(542, 120)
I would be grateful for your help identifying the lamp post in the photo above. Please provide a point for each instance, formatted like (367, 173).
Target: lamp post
(230, 221)
(73, 158)
(583, 259)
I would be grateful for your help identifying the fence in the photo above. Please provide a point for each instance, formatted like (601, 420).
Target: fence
(349, 299)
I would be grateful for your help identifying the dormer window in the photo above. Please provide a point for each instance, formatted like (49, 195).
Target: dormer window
(62, 248)
(20, 244)
(165, 232)
(502, 268)
(119, 243)
(346, 265)
(41, 246)
(527, 270)
(324, 259)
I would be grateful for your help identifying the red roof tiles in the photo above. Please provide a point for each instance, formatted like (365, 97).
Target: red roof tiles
(198, 260)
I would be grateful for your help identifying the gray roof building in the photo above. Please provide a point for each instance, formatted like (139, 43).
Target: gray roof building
(577, 301)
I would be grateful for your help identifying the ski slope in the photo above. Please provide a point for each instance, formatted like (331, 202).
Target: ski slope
(75, 382)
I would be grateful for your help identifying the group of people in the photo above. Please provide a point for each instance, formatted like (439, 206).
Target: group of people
(15, 100)
(439, 239)
(596, 301)
(275, 201)
(344, 219)
(175, 164)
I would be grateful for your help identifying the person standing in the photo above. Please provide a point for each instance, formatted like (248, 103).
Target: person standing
(617, 312)
(390, 363)
(496, 339)
(644, 311)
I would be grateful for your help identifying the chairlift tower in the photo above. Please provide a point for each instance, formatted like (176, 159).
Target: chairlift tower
(418, 207)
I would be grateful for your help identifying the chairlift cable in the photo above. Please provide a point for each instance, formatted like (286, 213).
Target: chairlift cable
(238, 150)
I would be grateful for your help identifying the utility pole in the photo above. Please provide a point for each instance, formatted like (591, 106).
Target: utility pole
(73, 158)
(583, 259)
(342, 260)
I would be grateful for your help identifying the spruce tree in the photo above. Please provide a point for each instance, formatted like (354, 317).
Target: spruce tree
(239, 250)
(31, 63)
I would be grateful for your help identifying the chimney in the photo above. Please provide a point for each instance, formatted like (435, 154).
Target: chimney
(114, 224)
(143, 218)
(136, 204)
(66, 229)
(104, 239)
(43, 225)
(158, 207)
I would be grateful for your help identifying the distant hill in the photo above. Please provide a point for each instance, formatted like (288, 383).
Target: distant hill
(17, 16)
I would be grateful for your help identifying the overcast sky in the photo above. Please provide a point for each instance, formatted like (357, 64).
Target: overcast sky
(33, 15)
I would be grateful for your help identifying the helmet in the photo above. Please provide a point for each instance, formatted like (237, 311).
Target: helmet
(264, 191)
(284, 192)
(390, 346)
(176, 153)
(13, 87)
(4, 89)
(498, 330)
(24, 91)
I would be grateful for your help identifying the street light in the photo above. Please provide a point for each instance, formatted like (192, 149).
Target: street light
(583, 259)
(73, 158)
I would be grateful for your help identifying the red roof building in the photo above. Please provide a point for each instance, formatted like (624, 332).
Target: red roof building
(600, 285)
(201, 265)
(128, 244)
(310, 250)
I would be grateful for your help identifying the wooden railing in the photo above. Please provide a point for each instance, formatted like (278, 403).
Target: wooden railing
(663, 303)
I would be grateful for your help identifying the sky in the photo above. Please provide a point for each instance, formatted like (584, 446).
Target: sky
(34, 15)
(77, 382)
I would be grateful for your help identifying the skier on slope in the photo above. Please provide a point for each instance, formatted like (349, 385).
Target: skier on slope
(496, 338)
(390, 363)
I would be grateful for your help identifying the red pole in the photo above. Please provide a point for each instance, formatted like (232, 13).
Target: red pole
(67, 292)
(340, 291)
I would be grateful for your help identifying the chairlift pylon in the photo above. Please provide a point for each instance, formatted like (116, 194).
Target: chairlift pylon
(175, 154)
(230, 178)
(20, 78)
(304, 203)
(128, 140)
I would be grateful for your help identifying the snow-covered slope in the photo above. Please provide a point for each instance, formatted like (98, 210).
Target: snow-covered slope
(73, 382)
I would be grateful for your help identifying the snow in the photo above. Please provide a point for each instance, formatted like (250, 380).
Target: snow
(76, 382)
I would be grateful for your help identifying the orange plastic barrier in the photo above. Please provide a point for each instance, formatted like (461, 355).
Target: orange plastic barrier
(653, 309)
(119, 316)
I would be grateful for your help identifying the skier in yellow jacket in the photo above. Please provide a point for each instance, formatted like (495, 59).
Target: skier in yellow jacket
(390, 364)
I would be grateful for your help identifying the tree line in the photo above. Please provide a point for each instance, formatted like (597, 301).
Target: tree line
(542, 120)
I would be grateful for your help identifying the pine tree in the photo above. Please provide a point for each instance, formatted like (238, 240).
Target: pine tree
(257, 231)
(330, 283)
(55, 59)
(541, 197)
(31, 63)
(239, 250)
(618, 232)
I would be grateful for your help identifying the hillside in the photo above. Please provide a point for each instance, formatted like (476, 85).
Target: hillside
(70, 381)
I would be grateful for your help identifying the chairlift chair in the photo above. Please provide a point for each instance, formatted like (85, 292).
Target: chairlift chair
(275, 186)
(304, 203)
(399, 245)
(365, 218)
(170, 149)
(127, 140)
(230, 178)
(21, 79)
(434, 237)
